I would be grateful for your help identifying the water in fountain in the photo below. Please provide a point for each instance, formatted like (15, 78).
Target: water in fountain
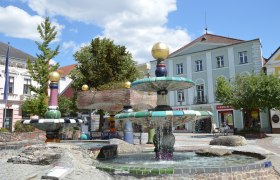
(180, 159)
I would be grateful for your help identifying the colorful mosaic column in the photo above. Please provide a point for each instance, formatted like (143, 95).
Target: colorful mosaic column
(163, 139)
(53, 111)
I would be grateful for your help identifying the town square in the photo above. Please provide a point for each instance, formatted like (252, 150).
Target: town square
(139, 90)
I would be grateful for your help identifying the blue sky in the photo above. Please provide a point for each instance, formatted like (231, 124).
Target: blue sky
(138, 24)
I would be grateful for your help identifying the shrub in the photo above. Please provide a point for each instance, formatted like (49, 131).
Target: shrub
(4, 130)
(19, 127)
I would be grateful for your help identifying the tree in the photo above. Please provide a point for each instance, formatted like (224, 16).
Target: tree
(34, 105)
(256, 91)
(65, 106)
(102, 64)
(39, 69)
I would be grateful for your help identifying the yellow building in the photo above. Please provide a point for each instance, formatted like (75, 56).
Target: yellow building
(273, 67)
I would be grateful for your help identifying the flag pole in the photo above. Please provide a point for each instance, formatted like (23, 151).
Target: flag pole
(6, 90)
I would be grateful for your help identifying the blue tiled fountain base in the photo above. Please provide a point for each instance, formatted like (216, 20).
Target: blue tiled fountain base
(114, 169)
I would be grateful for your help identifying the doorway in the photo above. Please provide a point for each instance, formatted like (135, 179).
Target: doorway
(226, 117)
(8, 119)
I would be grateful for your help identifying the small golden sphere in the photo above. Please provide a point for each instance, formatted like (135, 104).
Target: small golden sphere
(127, 84)
(85, 87)
(54, 76)
(160, 51)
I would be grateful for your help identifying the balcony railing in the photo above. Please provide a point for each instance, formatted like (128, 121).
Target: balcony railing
(200, 100)
(23, 97)
(11, 96)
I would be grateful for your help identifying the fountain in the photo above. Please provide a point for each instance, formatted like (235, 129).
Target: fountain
(164, 161)
(163, 117)
(52, 123)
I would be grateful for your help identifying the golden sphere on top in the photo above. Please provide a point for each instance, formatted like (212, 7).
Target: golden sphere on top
(85, 87)
(160, 51)
(127, 84)
(54, 76)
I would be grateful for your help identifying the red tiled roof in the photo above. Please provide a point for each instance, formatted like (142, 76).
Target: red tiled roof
(65, 70)
(210, 38)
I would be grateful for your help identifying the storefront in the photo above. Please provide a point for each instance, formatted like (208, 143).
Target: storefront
(251, 119)
(225, 115)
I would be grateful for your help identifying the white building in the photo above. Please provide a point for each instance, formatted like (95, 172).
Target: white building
(19, 81)
(203, 60)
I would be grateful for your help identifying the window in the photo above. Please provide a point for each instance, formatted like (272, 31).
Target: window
(11, 85)
(243, 57)
(180, 96)
(200, 93)
(198, 65)
(220, 61)
(26, 86)
(179, 68)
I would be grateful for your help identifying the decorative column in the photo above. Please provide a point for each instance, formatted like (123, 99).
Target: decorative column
(163, 139)
(53, 110)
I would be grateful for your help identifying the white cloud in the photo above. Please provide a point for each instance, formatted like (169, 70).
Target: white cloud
(68, 45)
(74, 47)
(15, 22)
(73, 30)
(52, 62)
(135, 24)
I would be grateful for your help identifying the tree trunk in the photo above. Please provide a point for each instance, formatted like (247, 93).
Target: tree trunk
(248, 119)
(101, 121)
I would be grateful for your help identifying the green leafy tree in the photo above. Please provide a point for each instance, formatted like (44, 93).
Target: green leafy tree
(250, 92)
(65, 106)
(103, 65)
(34, 105)
(39, 69)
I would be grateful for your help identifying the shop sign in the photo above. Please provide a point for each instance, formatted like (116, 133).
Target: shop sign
(223, 107)
(275, 118)
(180, 109)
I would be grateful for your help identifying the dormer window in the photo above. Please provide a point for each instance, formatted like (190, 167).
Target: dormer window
(203, 38)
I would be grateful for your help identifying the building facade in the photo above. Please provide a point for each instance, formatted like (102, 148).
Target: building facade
(273, 68)
(205, 59)
(19, 81)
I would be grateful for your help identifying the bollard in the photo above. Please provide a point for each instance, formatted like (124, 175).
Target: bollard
(128, 132)
(151, 134)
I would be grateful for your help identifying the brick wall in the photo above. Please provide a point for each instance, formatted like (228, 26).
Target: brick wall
(114, 100)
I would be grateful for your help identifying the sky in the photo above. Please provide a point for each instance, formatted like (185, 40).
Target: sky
(137, 24)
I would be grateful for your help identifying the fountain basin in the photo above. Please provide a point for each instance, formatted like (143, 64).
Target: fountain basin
(183, 163)
(51, 124)
(155, 84)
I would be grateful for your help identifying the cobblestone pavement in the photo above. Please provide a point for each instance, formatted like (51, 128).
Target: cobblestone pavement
(10, 171)
(269, 146)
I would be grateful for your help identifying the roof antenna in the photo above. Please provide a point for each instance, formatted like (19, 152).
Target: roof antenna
(205, 23)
